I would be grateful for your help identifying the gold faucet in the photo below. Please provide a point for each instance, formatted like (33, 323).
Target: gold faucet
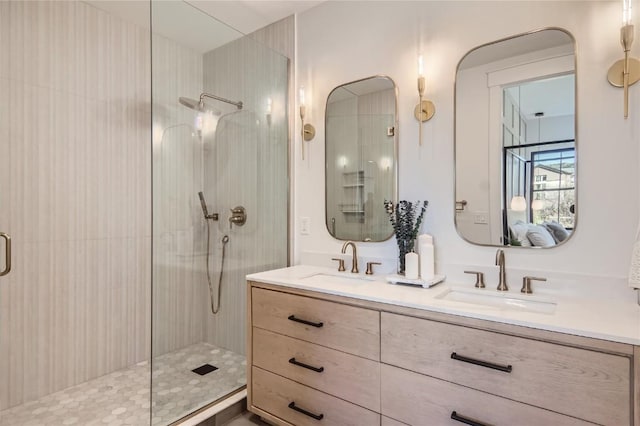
(354, 260)
(502, 282)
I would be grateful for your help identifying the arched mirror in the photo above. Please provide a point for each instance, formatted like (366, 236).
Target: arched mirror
(361, 161)
(515, 141)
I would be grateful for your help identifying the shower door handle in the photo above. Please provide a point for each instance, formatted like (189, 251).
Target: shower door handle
(7, 254)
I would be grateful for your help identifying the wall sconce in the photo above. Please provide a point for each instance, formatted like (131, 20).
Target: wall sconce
(269, 110)
(625, 72)
(518, 203)
(308, 131)
(425, 108)
(385, 164)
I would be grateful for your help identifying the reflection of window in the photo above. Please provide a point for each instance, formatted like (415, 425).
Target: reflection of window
(556, 168)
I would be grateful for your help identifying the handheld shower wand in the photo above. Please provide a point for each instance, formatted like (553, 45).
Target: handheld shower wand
(215, 307)
(203, 203)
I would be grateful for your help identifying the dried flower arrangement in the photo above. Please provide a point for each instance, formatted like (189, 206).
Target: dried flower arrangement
(406, 221)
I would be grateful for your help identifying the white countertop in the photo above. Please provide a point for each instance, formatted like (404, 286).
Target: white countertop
(581, 313)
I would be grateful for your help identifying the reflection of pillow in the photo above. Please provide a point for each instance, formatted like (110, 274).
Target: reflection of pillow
(557, 231)
(519, 232)
(540, 237)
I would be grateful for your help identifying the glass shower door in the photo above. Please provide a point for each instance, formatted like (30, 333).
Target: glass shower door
(220, 202)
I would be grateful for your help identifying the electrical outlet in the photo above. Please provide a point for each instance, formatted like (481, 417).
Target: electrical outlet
(480, 218)
(305, 225)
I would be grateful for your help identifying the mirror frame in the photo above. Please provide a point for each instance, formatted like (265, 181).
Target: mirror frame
(395, 156)
(575, 129)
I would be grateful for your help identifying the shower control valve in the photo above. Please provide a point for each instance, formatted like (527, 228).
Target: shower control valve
(238, 216)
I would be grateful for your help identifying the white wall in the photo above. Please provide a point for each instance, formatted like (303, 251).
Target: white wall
(336, 45)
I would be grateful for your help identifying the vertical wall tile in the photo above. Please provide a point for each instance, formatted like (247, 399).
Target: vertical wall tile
(178, 286)
(246, 163)
(74, 124)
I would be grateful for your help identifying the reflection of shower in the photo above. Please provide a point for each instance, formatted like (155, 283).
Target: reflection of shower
(200, 106)
(215, 304)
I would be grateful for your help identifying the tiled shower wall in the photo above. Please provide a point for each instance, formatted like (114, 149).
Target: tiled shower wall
(246, 164)
(75, 195)
(179, 282)
(241, 160)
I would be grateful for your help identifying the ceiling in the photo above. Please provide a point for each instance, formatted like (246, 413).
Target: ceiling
(553, 96)
(190, 22)
(248, 16)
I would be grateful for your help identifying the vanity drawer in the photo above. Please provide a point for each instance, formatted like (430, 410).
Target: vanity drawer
(275, 394)
(343, 375)
(346, 328)
(419, 400)
(581, 383)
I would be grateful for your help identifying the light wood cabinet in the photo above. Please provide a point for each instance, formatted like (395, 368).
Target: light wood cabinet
(586, 384)
(417, 399)
(337, 373)
(345, 328)
(312, 360)
(302, 405)
(378, 364)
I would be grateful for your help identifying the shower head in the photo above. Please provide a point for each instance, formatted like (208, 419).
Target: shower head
(198, 106)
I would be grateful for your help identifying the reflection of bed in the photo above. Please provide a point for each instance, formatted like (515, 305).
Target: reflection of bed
(546, 234)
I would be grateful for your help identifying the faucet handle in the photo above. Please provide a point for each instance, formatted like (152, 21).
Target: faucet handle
(479, 278)
(370, 267)
(340, 264)
(526, 284)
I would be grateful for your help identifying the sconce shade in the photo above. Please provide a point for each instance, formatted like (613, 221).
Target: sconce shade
(518, 203)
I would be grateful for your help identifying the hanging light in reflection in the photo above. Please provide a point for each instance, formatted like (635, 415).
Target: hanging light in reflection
(537, 205)
(518, 203)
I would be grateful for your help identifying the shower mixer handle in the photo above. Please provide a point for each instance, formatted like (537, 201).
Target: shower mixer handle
(238, 216)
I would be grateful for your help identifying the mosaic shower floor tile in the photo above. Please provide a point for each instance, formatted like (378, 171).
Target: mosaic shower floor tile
(124, 398)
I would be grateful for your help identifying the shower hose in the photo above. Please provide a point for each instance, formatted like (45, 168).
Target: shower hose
(215, 307)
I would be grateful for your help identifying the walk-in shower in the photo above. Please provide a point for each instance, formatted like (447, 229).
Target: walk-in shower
(218, 194)
(105, 308)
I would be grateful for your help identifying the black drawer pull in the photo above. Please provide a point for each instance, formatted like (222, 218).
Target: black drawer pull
(313, 324)
(505, 368)
(466, 420)
(307, 366)
(292, 405)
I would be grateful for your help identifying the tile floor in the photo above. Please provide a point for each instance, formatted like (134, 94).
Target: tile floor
(247, 419)
(122, 397)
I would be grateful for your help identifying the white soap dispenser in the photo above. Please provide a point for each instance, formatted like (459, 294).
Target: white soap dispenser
(426, 250)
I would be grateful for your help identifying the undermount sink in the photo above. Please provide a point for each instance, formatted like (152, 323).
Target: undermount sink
(504, 301)
(344, 278)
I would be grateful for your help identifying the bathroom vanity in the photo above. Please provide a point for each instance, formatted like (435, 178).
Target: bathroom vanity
(327, 348)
